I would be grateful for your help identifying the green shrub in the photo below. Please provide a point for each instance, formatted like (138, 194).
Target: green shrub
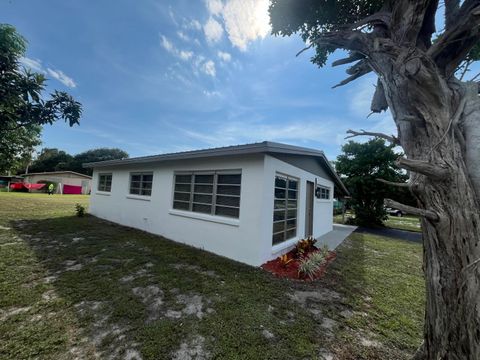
(80, 210)
(309, 266)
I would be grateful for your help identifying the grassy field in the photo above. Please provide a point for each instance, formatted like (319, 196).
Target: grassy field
(408, 222)
(84, 288)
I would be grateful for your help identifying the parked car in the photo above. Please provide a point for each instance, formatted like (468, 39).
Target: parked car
(395, 212)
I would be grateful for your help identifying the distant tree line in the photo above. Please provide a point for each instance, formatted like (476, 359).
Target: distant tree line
(52, 159)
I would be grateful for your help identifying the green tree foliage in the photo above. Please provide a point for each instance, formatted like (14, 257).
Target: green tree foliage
(55, 159)
(16, 147)
(51, 159)
(23, 108)
(94, 155)
(309, 18)
(360, 166)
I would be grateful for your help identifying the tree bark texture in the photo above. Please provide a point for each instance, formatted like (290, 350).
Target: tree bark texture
(438, 123)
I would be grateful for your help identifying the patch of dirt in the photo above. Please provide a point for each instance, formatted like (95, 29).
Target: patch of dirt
(369, 343)
(49, 295)
(268, 334)
(140, 273)
(152, 297)
(321, 295)
(193, 349)
(5, 314)
(102, 329)
(131, 354)
(50, 279)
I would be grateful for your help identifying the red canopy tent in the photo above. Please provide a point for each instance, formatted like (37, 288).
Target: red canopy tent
(21, 186)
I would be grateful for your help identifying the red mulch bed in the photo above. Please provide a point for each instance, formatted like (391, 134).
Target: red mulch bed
(291, 270)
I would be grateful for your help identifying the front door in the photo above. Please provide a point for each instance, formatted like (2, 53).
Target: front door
(309, 209)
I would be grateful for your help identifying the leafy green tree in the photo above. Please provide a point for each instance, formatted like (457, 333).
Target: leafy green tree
(94, 155)
(22, 104)
(51, 159)
(361, 165)
(437, 114)
(17, 146)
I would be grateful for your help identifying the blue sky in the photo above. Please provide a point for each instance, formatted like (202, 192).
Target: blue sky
(165, 76)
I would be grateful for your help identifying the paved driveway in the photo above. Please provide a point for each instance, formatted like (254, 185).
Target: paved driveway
(394, 233)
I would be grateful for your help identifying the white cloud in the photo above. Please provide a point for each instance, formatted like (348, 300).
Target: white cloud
(62, 77)
(33, 64)
(214, 6)
(167, 45)
(192, 24)
(225, 56)
(36, 65)
(245, 132)
(213, 30)
(213, 93)
(208, 67)
(185, 55)
(245, 20)
(183, 36)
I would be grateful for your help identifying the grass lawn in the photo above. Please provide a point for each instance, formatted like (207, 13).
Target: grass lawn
(408, 222)
(84, 288)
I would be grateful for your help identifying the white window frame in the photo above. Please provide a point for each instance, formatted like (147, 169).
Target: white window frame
(100, 175)
(213, 194)
(327, 189)
(142, 174)
(288, 178)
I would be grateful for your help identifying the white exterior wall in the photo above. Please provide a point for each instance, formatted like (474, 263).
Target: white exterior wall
(237, 239)
(322, 209)
(247, 239)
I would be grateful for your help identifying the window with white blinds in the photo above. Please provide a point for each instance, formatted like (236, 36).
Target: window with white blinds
(213, 193)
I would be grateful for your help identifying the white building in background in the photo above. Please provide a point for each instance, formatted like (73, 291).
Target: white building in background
(61, 178)
(250, 203)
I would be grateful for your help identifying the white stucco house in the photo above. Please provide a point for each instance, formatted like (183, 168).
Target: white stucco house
(250, 203)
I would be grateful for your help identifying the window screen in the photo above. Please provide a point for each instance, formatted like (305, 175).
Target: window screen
(285, 209)
(105, 182)
(323, 193)
(213, 193)
(141, 183)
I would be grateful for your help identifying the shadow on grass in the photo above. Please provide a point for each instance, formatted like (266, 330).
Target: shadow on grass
(124, 292)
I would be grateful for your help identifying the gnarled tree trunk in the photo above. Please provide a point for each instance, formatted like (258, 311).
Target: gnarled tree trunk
(438, 123)
(438, 128)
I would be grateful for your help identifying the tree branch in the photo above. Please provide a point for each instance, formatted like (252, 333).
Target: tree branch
(398, 184)
(428, 214)
(380, 18)
(345, 39)
(408, 19)
(423, 167)
(356, 71)
(451, 10)
(454, 44)
(354, 56)
(391, 138)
